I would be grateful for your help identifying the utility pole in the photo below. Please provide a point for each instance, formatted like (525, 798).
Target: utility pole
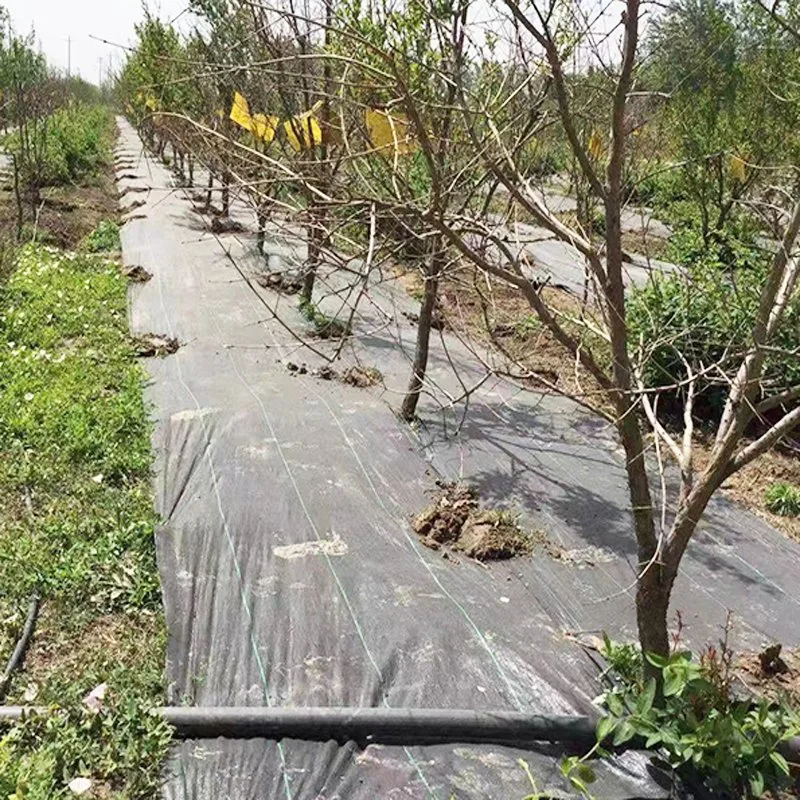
(69, 56)
(100, 72)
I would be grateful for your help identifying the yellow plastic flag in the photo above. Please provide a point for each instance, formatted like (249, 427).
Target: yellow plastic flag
(240, 112)
(389, 131)
(265, 127)
(596, 145)
(304, 131)
(737, 166)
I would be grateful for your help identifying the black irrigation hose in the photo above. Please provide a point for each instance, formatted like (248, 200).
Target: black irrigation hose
(15, 662)
(385, 725)
(399, 726)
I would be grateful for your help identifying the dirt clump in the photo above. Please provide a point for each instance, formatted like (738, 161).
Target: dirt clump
(456, 520)
(225, 225)
(137, 274)
(774, 672)
(362, 377)
(155, 344)
(283, 282)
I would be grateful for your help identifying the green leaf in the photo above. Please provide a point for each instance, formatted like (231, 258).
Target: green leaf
(673, 683)
(605, 726)
(779, 761)
(657, 660)
(653, 739)
(624, 733)
(757, 784)
(585, 773)
(645, 702)
(615, 705)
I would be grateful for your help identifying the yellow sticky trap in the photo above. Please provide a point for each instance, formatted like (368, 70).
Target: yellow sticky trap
(304, 131)
(389, 132)
(265, 127)
(240, 112)
(596, 145)
(737, 166)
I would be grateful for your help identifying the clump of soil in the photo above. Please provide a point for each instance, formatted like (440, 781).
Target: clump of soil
(133, 190)
(283, 282)
(456, 520)
(154, 344)
(225, 225)
(135, 204)
(136, 274)
(132, 217)
(773, 673)
(362, 377)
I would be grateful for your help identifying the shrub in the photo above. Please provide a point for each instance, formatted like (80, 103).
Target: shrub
(730, 743)
(104, 238)
(703, 317)
(783, 500)
(77, 142)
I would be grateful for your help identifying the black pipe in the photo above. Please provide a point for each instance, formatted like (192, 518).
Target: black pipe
(378, 724)
(15, 662)
(406, 726)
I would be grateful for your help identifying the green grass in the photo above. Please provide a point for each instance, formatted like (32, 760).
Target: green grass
(77, 527)
(103, 239)
(783, 499)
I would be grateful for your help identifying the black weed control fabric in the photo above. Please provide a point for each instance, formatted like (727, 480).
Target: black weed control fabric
(292, 576)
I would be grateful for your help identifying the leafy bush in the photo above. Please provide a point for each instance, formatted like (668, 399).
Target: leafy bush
(732, 744)
(783, 499)
(77, 142)
(702, 318)
(103, 239)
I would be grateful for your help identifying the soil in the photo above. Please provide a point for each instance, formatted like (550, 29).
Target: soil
(357, 375)
(137, 274)
(283, 282)
(774, 673)
(748, 487)
(486, 312)
(456, 521)
(58, 649)
(69, 213)
(362, 377)
(155, 344)
(226, 225)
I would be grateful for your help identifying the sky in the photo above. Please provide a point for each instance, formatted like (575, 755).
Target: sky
(56, 21)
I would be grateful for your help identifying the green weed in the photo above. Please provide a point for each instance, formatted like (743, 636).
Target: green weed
(324, 326)
(103, 239)
(732, 743)
(783, 499)
(77, 526)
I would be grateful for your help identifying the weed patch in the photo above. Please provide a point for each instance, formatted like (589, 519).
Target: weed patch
(77, 527)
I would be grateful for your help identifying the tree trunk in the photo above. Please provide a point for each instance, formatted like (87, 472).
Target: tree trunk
(316, 233)
(261, 216)
(653, 590)
(226, 194)
(209, 187)
(409, 408)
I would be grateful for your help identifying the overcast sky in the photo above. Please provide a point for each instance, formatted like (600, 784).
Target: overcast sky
(57, 20)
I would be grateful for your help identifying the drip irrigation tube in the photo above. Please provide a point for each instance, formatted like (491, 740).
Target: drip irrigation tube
(388, 725)
(407, 726)
(15, 662)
